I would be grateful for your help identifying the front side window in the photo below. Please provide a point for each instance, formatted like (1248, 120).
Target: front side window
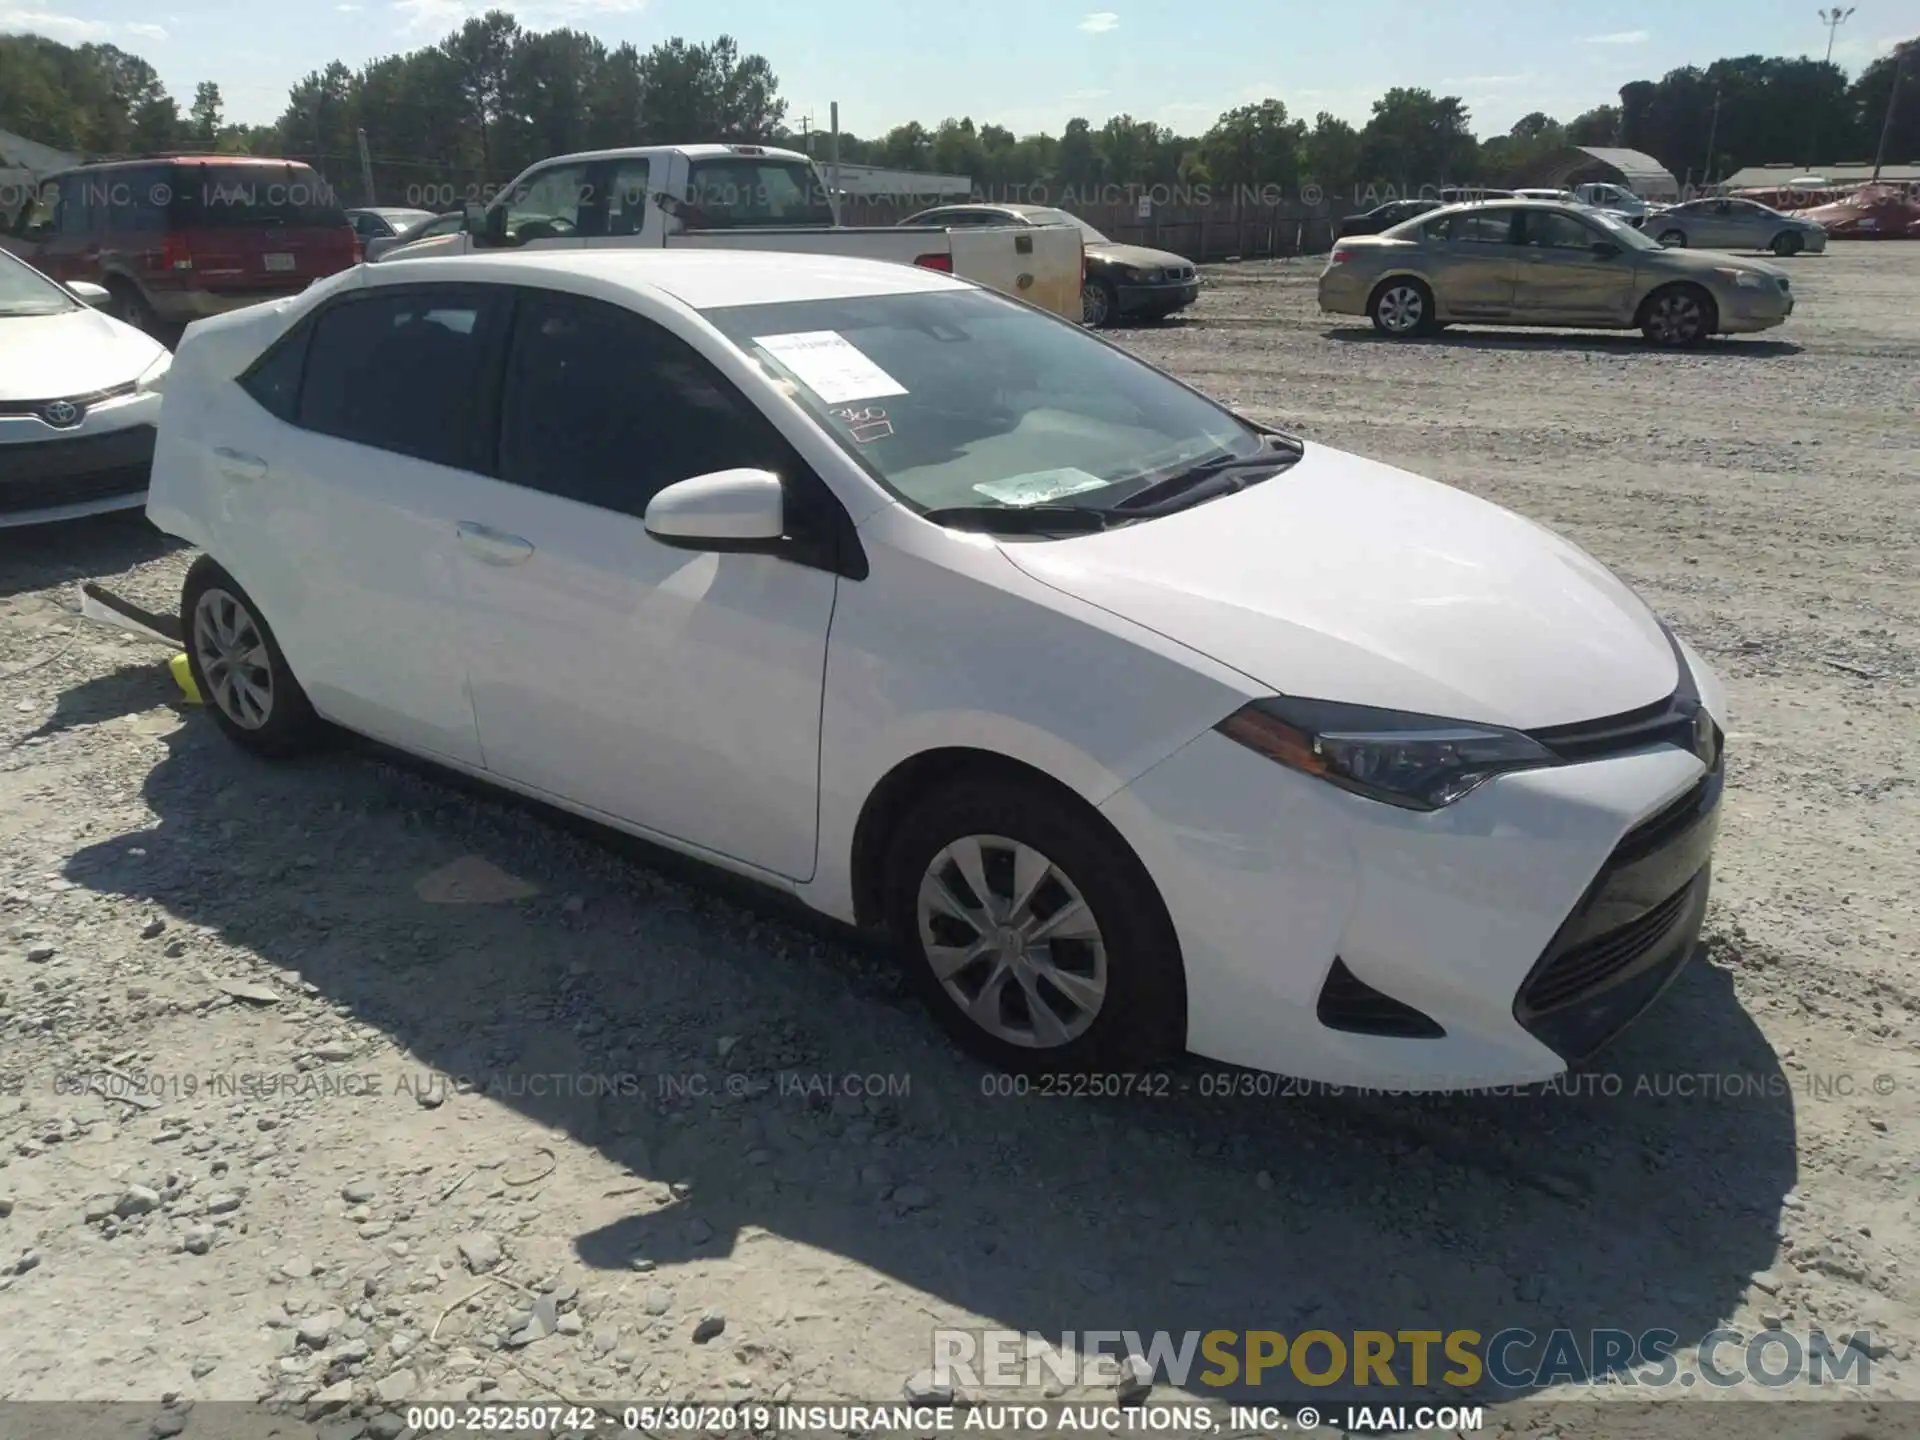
(1556, 230)
(402, 372)
(965, 398)
(549, 205)
(76, 203)
(604, 407)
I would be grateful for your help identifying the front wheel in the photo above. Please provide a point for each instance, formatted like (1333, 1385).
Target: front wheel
(1099, 305)
(1674, 239)
(1786, 243)
(1401, 308)
(1678, 316)
(239, 669)
(1034, 934)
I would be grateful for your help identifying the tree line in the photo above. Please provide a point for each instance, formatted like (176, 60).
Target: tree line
(493, 96)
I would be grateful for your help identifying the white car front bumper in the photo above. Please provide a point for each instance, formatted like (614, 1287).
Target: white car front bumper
(1532, 883)
(50, 472)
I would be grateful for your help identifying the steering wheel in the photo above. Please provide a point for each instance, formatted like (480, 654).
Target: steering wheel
(554, 227)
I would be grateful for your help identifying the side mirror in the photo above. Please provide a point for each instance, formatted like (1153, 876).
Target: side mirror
(727, 510)
(88, 293)
(487, 224)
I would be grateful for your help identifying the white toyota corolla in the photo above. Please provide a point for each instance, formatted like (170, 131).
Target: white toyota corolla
(1139, 726)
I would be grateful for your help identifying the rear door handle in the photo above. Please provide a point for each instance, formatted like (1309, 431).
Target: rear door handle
(493, 546)
(239, 465)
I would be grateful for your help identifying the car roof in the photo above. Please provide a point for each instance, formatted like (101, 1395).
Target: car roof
(692, 152)
(701, 279)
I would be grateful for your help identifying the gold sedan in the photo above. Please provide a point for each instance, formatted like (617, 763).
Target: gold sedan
(1542, 263)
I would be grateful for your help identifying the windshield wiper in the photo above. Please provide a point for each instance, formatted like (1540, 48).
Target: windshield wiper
(1028, 519)
(1210, 479)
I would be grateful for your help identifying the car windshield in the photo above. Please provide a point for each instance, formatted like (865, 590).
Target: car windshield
(25, 291)
(741, 190)
(964, 398)
(1064, 217)
(1621, 232)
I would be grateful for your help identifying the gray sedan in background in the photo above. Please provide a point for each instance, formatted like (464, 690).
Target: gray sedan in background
(1531, 262)
(1727, 222)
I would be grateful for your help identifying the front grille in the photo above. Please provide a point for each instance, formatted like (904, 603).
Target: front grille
(1349, 1004)
(83, 402)
(1589, 966)
(1666, 722)
(74, 460)
(25, 496)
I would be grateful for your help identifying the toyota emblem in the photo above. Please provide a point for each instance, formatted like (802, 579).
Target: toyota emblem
(61, 413)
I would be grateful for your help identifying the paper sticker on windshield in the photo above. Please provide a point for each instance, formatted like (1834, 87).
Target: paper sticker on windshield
(830, 365)
(1039, 486)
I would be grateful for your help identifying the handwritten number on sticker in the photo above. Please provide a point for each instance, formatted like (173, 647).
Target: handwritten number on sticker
(865, 423)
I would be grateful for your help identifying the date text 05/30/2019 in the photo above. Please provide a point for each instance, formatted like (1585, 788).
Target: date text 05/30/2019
(695, 1421)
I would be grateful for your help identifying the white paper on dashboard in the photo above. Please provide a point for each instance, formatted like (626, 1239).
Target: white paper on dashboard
(830, 365)
(1038, 486)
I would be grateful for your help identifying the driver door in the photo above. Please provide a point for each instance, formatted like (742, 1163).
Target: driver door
(1563, 280)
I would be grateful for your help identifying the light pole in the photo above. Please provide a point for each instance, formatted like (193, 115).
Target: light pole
(1713, 133)
(1833, 19)
(1901, 57)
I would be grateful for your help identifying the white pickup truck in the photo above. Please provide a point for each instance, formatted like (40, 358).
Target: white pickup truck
(745, 197)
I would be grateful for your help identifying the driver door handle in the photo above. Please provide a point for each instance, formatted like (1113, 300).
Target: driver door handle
(493, 546)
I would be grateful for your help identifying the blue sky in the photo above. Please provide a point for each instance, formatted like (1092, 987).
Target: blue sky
(1029, 64)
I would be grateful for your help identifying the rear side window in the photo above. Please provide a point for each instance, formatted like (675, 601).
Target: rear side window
(138, 199)
(1482, 227)
(603, 406)
(403, 372)
(274, 379)
(251, 196)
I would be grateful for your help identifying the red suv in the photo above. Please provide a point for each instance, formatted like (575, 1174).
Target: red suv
(179, 238)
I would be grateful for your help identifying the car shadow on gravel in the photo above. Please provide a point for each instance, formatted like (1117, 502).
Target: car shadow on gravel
(1620, 342)
(1639, 1197)
(33, 557)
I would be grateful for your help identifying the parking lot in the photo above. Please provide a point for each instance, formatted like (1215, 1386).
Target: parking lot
(224, 932)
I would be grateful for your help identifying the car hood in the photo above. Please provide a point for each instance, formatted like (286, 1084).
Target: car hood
(1697, 261)
(47, 357)
(1136, 255)
(1349, 580)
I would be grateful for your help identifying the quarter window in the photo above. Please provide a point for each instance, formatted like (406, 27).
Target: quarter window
(403, 372)
(604, 407)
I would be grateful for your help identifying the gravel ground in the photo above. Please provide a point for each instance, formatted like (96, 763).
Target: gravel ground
(304, 1201)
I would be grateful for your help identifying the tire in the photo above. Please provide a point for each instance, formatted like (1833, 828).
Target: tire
(1674, 239)
(1401, 308)
(1099, 305)
(1677, 316)
(1786, 243)
(1127, 1005)
(269, 713)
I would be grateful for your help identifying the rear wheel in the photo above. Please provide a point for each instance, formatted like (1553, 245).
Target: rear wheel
(1786, 243)
(239, 669)
(1674, 239)
(1678, 315)
(1033, 932)
(1401, 308)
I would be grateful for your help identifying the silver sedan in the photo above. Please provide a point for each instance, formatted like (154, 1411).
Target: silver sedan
(1729, 223)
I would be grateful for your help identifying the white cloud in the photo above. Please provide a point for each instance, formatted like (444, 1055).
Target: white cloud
(1621, 37)
(1080, 97)
(439, 16)
(53, 27)
(146, 32)
(1098, 22)
(1489, 82)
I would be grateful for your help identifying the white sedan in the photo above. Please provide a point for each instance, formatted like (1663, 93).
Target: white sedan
(79, 401)
(1138, 725)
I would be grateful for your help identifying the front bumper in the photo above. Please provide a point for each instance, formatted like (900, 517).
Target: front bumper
(1283, 889)
(100, 465)
(1745, 311)
(1162, 298)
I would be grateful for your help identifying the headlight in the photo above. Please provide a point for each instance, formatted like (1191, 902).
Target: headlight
(151, 378)
(1418, 762)
(1745, 279)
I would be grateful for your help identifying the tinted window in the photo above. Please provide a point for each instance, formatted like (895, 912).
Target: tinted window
(402, 372)
(137, 201)
(371, 227)
(77, 194)
(627, 194)
(235, 196)
(605, 407)
(1482, 227)
(741, 190)
(1553, 230)
(274, 379)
